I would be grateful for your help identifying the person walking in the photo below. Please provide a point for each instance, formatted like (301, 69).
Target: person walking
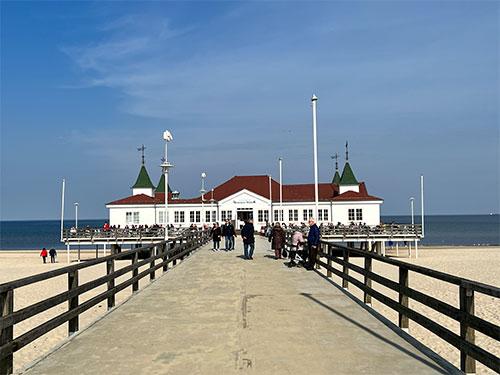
(53, 254)
(43, 254)
(230, 234)
(247, 234)
(313, 243)
(277, 240)
(216, 233)
(223, 228)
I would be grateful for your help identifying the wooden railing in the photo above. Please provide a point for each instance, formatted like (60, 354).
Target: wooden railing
(464, 315)
(166, 252)
(373, 232)
(137, 233)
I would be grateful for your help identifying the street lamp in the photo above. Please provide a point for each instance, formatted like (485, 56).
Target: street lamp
(280, 215)
(76, 215)
(411, 210)
(166, 165)
(202, 191)
(314, 100)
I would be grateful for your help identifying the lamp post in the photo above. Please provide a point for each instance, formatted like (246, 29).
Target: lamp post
(166, 165)
(280, 214)
(422, 203)
(411, 210)
(314, 100)
(202, 191)
(76, 215)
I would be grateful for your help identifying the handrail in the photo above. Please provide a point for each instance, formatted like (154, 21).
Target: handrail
(167, 251)
(470, 352)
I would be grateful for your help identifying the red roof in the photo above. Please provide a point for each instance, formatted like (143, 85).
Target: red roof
(260, 186)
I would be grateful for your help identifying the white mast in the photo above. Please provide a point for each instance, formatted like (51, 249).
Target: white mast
(167, 136)
(269, 219)
(62, 207)
(280, 215)
(422, 203)
(314, 100)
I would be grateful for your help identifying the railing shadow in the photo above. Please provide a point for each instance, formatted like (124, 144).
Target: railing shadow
(382, 338)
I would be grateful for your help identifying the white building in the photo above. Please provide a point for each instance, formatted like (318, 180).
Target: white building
(344, 200)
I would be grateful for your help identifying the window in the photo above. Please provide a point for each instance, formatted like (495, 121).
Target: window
(293, 215)
(307, 214)
(214, 216)
(351, 214)
(323, 215)
(128, 217)
(262, 215)
(266, 215)
(207, 216)
(161, 217)
(223, 215)
(278, 215)
(191, 216)
(226, 215)
(198, 216)
(359, 214)
(136, 217)
(178, 216)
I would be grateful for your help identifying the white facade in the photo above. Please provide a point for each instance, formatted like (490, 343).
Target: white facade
(146, 191)
(242, 205)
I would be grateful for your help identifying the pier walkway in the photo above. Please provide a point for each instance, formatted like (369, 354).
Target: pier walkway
(216, 313)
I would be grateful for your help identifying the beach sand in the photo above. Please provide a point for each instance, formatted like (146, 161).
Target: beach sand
(476, 263)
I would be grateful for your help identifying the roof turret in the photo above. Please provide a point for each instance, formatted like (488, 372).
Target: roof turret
(161, 185)
(143, 181)
(348, 176)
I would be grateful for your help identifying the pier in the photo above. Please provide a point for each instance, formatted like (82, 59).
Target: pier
(215, 313)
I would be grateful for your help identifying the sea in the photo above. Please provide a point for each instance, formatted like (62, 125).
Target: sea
(440, 230)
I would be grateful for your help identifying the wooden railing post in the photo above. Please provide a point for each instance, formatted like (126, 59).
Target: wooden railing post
(6, 334)
(135, 272)
(467, 363)
(329, 251)
(165, 248)
(345, 269)
(318, 267)
(73, 302)
(172, 246)
(367, 281)
(110, 269)
(154, 252)
(403, 299)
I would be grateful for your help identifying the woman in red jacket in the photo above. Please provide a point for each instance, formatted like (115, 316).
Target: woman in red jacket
(44, 254)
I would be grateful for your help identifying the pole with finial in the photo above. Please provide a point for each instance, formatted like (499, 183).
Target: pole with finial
(142, 148)
(314, 100)
(346, 151)
(336, 158)
(166, 165)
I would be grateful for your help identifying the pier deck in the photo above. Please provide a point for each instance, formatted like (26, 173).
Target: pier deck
(218, 314)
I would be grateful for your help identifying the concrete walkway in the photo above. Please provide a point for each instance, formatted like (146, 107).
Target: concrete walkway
(219, 314)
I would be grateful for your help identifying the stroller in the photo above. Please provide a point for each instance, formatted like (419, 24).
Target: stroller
(297, 254)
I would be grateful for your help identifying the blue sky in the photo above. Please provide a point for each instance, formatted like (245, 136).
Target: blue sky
(413, 87)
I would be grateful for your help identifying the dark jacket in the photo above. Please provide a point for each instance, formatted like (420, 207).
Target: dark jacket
(247, 233)
(216, 232)
(52, 252)
(230, 230)
(224, 229)
(313, 236)
(278, 238)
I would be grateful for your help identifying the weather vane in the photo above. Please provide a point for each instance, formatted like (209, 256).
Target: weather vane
(142, 148)
(336, 157)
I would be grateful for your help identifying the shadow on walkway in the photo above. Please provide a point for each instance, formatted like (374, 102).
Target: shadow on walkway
(375, 334)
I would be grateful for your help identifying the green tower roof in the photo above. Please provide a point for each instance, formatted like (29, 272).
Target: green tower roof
(348, 176)
(161, 185)
(143, 181)
(336, 178)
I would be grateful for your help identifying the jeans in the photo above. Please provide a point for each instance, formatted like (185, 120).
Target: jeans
(248, 249)
(229, 240)
(216, 244)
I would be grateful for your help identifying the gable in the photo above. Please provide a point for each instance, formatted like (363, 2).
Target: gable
(244, 197)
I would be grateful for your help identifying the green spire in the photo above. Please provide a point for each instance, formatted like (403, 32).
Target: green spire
(348, 176)
(336, 178)
(161, 185)
(143, 181)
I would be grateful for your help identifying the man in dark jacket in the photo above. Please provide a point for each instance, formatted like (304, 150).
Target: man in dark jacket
(312, 243)
(248, 239)
(230, 233)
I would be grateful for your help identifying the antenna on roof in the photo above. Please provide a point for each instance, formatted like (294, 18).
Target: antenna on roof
(346, 151)
(142, 148)
(336, 157)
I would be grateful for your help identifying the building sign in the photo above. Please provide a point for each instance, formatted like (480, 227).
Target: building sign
(244, 201)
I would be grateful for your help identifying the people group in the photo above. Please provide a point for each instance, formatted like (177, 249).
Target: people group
(299, 254)
(52, 253)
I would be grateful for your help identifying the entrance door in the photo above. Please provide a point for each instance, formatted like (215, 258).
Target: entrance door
(245, 215)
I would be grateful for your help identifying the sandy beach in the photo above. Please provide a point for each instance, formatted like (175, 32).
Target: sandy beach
(476, 263)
